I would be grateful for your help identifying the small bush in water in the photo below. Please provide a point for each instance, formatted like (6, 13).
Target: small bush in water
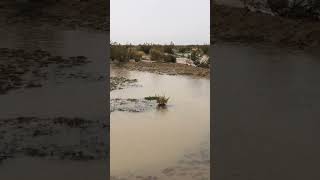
(161, 100)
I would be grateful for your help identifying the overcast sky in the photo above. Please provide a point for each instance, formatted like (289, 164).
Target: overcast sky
(160, 21)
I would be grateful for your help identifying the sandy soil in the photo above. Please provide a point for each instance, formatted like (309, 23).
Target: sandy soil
(167, 68)
(232, 24)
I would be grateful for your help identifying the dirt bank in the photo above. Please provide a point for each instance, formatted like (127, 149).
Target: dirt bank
(233, 25)
(166, 68)
(70, 14)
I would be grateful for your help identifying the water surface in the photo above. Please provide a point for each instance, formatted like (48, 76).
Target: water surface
(266, 114)
(84, 98)
(149, 142)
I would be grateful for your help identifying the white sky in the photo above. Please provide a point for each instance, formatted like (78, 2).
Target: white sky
(160, 21)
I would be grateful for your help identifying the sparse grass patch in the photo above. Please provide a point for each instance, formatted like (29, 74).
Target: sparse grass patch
(161, 100)
(151, 98)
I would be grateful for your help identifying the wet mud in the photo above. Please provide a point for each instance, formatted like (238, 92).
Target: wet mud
(53, 138)
(20, 69)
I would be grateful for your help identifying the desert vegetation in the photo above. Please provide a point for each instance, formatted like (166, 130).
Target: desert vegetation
(161, 100)
(167, 53)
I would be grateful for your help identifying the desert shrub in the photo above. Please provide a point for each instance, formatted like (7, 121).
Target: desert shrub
(145, 48)
(168, 48)
(156, 54)
(194, 55)
(204, 49)
(118, 52)
(182, 49)
(134, 54)
(162, 100)
(169, 58)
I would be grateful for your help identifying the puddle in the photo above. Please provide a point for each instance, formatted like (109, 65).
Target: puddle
(155, 144)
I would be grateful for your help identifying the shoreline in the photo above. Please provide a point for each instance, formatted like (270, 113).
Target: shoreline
(165, 68)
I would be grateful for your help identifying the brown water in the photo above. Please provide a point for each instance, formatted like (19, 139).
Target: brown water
(85, 98)
(266, 113)
(59, 97)
(147, 143)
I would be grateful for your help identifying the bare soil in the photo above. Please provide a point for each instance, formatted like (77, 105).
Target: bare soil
(235, 25)
(167, 68)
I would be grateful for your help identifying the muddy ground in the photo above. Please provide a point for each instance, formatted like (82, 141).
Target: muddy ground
(70, 138)
(166, 68)
(234, 25)
(63, 14)
(121, 82)
(20, 69)
(53, 138)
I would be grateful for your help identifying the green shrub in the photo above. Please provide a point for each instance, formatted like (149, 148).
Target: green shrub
(169, 58)
(183, 49)
(194, 55)
(162, 100)
(118, 52)
(204, 49)
(168, 48)
(134, 54)
(156, 54)
(145, 48)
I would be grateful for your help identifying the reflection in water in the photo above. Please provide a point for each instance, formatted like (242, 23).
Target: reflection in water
(147, 143)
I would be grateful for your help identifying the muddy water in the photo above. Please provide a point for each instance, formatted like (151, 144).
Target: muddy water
(66, 97)
(59, 97)
(171, 143)
(266, 113)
